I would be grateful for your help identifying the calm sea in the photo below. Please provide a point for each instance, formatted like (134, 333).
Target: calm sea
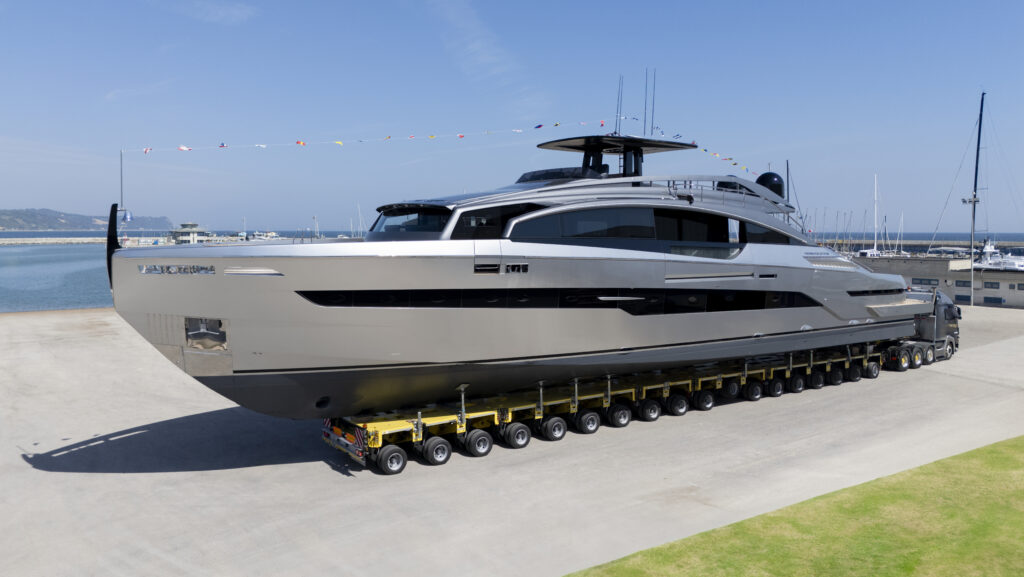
(73, 276)
(53, 276)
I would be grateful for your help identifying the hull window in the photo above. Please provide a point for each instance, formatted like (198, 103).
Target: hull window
(637, 302)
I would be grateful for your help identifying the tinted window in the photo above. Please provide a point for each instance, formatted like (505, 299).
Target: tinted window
(488, 222)
(609, 223)
(544, 227)
(691, 226)
(750, 232)
(409, 223)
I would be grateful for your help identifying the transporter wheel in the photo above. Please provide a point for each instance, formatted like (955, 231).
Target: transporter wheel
(618, 415)
(929, 355)
(854, 373)
(391, 459)
(437, 450)
(916, 357)
(478, 443)
(553, 428)
(587, 422)
(872, 370)
(775, 387)
(730, 389)
(649, 410)
(676, 405)
(816, 380)
(796, 384)
(752, 391)
(703, 400)
(950, 348)
(835, 376)
(517, 435)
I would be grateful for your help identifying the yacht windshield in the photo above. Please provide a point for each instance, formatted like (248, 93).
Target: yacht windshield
(410, 223)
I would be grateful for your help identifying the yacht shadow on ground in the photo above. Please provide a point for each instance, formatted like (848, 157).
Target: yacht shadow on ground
(225, 439)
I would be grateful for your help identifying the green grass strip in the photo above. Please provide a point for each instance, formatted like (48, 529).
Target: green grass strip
(958, 517)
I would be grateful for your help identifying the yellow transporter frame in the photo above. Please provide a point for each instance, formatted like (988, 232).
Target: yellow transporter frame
(361, 437)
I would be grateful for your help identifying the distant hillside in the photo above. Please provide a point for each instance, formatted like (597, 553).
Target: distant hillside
(46, 219)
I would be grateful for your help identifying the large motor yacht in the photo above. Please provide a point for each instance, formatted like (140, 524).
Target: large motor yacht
(568, 273)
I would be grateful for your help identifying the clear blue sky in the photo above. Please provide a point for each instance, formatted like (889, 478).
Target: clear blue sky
(843, 90)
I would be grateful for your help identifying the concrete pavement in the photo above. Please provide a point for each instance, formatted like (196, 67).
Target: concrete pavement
(113, 462)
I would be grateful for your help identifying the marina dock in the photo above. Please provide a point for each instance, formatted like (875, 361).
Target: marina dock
(117, 462)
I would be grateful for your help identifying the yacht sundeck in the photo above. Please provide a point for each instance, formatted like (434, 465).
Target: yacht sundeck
(568, 273)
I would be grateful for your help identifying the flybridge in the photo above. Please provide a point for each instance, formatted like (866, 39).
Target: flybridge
(630, 148)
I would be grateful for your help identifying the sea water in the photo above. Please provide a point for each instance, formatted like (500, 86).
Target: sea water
(53, 276)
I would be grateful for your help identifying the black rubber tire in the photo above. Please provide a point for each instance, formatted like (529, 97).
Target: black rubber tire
(587, 422)
(835, 377)
(929, 355)
(816, 380)
(478, 443)
(553, 428)
(436, 451)
(949, 348)
(676, 405)
(854, 373)
(703, 400)
(730, 389)
(916, 357)
(796, 384)
(391, 459)
(775, 387)
(618, 415)
(902, 361)
(517, 435)
(649, 410)
(753, 390)
(872, 370)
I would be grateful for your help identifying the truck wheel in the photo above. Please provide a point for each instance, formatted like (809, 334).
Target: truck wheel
(796, 384)
(478, 443)
(391, 459)
(949, 348)
(730, 389)
(703, 400)
(437, 450)
(835, 376)
(752, 390)
(587, 422)
(902, 360)
(618, 415)
(916, 357)
(775, 387)
(676, 405)
(854, 373)
(517, 435)
(816, 380)
(872, 370)
(553, 428)
(929, 355)
(649, 410)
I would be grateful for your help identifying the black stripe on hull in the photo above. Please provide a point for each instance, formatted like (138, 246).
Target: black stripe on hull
(633, 301)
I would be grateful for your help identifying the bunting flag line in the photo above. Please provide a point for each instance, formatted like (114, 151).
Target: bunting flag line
(458, 136)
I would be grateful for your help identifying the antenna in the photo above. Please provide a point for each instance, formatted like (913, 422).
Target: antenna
(646, 84)
(618, 108)
(654, 92)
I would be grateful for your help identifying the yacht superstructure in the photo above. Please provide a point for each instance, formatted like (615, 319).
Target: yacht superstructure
(568, 273)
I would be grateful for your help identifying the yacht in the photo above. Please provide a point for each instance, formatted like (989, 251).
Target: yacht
(569, 273)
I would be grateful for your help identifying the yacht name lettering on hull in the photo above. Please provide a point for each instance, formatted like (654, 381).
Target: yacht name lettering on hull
(176, 269)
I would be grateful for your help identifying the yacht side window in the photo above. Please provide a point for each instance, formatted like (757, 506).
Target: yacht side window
(489, 222)
(594, 223)
(750, 232)
(694, 233)
(409, 223)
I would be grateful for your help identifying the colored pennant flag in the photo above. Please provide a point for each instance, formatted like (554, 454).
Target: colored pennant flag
(387, 138)
(538, 126)
(261, 146)
(461, 135)
(411, 136)
(339, 143)
(517, 130)
(602, 124)
(222, 145)
(558, 124)
(184, 148)
(146, 150)
(431, 136)
(300, 143)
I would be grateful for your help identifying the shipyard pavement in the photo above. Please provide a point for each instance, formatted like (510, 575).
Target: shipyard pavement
(115, 463)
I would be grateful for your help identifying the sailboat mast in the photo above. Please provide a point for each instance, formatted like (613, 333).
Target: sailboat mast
(974, 194)
(875, 247)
